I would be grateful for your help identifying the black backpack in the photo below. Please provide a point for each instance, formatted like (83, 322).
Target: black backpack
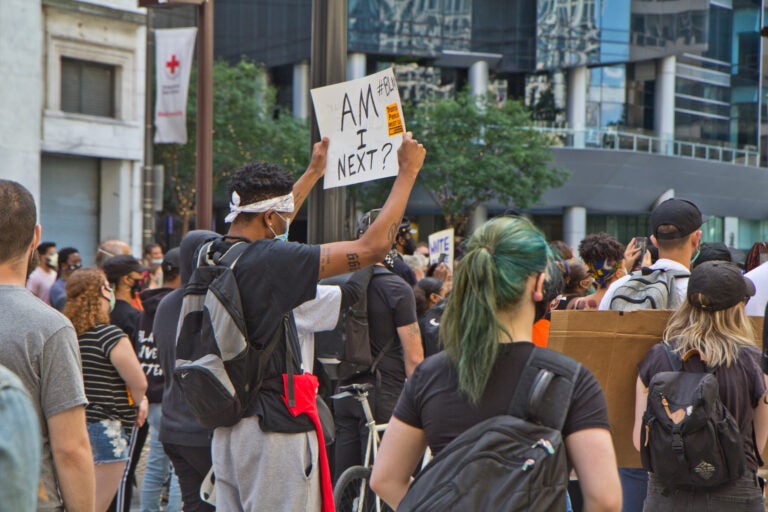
(512, 462)
(688, 437)
(217, 370)
(350, 340)
(648, 288)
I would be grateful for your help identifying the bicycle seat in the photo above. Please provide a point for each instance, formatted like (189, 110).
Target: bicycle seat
(353, 390)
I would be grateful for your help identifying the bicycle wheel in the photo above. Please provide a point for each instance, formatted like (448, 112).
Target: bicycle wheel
(352, 493)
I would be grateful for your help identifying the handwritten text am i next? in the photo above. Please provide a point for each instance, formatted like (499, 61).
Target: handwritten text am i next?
(364, 120)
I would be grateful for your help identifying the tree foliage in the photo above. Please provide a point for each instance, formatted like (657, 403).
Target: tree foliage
(477, 152)
(245, 127)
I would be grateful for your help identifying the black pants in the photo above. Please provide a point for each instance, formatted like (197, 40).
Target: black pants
(122, 501)
(191, 464)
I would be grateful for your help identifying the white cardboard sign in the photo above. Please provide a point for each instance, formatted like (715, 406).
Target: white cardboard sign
(441, 243)
(364, 120)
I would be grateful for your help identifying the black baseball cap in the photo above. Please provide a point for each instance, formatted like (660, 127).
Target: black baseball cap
(121, 265)
(718, 285)
(171, 261)
(680, 213)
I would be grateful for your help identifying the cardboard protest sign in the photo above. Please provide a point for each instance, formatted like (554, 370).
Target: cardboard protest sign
(611, 344)
(441, 247)
(364, 120)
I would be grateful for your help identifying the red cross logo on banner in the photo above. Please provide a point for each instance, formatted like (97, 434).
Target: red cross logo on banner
(172, 64)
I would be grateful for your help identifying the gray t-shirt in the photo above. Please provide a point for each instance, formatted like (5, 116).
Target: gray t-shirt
(39, 345)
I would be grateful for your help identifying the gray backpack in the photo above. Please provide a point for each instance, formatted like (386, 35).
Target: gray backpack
(648, 288)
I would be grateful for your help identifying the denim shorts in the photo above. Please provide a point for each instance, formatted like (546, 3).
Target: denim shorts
(109, 441)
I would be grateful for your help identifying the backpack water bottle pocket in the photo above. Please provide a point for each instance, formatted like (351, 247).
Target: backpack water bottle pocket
(209, 392)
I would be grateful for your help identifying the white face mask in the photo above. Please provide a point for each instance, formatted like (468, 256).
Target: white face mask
(284, 236)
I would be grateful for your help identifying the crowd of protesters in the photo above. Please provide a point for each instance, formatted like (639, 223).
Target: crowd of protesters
(92, 380)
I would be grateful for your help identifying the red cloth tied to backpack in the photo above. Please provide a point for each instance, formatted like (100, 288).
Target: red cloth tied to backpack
(305, 392)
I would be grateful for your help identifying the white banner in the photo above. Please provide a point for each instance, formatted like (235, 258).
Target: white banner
(173, 64)
(364, 120)
(441, 247)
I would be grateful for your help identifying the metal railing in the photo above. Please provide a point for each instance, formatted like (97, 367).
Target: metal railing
(628, 141)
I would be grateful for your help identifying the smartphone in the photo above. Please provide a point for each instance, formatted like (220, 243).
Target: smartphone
(641, 242)
(441, 258)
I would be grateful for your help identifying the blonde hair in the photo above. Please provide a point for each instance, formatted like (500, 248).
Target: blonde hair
(716, 335)
(83, 306)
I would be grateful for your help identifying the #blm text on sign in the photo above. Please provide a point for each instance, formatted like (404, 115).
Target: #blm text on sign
(364, 120)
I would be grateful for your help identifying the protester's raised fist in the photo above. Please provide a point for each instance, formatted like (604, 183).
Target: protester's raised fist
(411, 155)
(319, 156)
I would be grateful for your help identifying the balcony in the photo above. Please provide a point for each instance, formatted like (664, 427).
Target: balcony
(612, 139)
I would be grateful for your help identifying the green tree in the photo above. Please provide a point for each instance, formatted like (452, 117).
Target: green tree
(245, 128)
(479, 151)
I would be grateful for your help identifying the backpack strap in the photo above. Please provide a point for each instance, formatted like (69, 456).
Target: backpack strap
(377, 270)
(544, 392)
(673, 357)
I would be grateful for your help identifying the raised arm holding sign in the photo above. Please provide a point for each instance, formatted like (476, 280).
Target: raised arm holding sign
(364, 120)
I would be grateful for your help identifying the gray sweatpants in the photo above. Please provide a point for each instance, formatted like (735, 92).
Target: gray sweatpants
(260, 471)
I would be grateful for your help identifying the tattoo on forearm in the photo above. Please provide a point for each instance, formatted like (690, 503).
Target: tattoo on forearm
(325, 258)
(353, 261)
(413, 330)
(392, 232)
(297, 198)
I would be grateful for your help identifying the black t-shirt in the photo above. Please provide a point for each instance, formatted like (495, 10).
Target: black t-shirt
(431, 400)
(391, 304)
(126, 317)
(741, 386)
(275, 277)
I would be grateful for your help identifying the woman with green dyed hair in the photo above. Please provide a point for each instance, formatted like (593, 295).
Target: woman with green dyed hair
(486, 330)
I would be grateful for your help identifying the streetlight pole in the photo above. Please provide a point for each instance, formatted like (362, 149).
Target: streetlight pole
(328, 65)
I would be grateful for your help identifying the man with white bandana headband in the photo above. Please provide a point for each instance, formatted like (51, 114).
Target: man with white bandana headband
(271, 460)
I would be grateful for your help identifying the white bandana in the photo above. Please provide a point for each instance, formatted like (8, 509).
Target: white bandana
(282, 204)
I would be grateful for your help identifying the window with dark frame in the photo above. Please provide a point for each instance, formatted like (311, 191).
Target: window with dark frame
(87, 88)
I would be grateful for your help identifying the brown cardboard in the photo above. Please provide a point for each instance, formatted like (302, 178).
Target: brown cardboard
(611, 344)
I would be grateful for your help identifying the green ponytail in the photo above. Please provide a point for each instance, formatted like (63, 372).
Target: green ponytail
(491, 276)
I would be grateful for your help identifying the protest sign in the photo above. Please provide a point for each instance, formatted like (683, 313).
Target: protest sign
(174, 48)
(364, 120)
(611, 344)
(441, 247)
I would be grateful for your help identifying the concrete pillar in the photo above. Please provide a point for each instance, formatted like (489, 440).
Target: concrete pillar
(574, 225)
(664, 107)
(578, 79)
(558, 87)
(301, 90)
(479, 216)
(478, 78)
(21, 93)
(731, 231)
(356, 66)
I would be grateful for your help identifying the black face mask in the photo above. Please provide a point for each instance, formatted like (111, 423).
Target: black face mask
(138, 287)
(409, 246)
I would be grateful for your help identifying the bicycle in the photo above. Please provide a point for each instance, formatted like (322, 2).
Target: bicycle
(352, 493)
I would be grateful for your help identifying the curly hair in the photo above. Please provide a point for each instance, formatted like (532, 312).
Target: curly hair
(600, 246)
(257, 181)
(83, 306)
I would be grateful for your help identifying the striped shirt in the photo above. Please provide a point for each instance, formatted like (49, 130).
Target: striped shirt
(105, 389)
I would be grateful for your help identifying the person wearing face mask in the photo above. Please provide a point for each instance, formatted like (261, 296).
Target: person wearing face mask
(487, 331)
(69, 261)
(115, 384)
(603, 255)
(126, 276)
(153, 258)
(430, 294)
(42, 278)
